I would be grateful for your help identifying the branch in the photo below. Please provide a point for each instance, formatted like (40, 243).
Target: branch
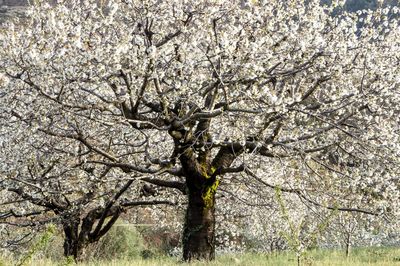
(110, 203)
(108, 226)
(80, 138)
(168, 38)
(50, 204)
(12, 213)
(318, 132)
(198, 116)
(225, 157)
(300, 194)
(126, 167)
(311, 90)
(238, 169)
(17, 241)
(147, 203)
(165, 183)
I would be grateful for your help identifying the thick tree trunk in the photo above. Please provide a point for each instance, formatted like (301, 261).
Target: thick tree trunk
(78, 235)
(199, 232)
(71, 239)
(201, 181)
(73, 244)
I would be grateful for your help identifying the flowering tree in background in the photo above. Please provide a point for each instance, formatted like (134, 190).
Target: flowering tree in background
(202, 96)
(46, 184)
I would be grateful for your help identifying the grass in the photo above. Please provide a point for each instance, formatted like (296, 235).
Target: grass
(123, 246)
(358, 257)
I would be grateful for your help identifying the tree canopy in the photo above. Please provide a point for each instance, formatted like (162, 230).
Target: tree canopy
(197, 95)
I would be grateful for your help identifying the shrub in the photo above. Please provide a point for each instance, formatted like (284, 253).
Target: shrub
(163, 240)
(122, 241)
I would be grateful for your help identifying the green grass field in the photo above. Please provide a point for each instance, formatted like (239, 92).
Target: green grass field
(358, 257)
(124, 246)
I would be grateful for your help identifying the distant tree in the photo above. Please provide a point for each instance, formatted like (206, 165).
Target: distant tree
(189, 95)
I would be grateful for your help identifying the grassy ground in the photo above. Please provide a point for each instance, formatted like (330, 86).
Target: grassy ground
(358, 257)
(123, 246)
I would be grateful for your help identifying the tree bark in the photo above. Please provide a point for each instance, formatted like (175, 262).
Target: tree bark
(78, 235)
(71, 239)
(199, 231)
(200, 172)
(75, 238)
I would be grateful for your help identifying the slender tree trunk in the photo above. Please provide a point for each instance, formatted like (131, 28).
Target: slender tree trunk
(348, 244)
(199, 232)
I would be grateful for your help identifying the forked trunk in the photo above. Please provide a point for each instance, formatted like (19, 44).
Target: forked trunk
(73, 244)
(79, 233)
(199, 232)
(202, 181)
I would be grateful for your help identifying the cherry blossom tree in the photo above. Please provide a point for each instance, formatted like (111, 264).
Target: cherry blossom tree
(43, 183)
(192, 95)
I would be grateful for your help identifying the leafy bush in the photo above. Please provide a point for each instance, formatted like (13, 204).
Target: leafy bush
(38, 246)
(122, 241)
(163, 240)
